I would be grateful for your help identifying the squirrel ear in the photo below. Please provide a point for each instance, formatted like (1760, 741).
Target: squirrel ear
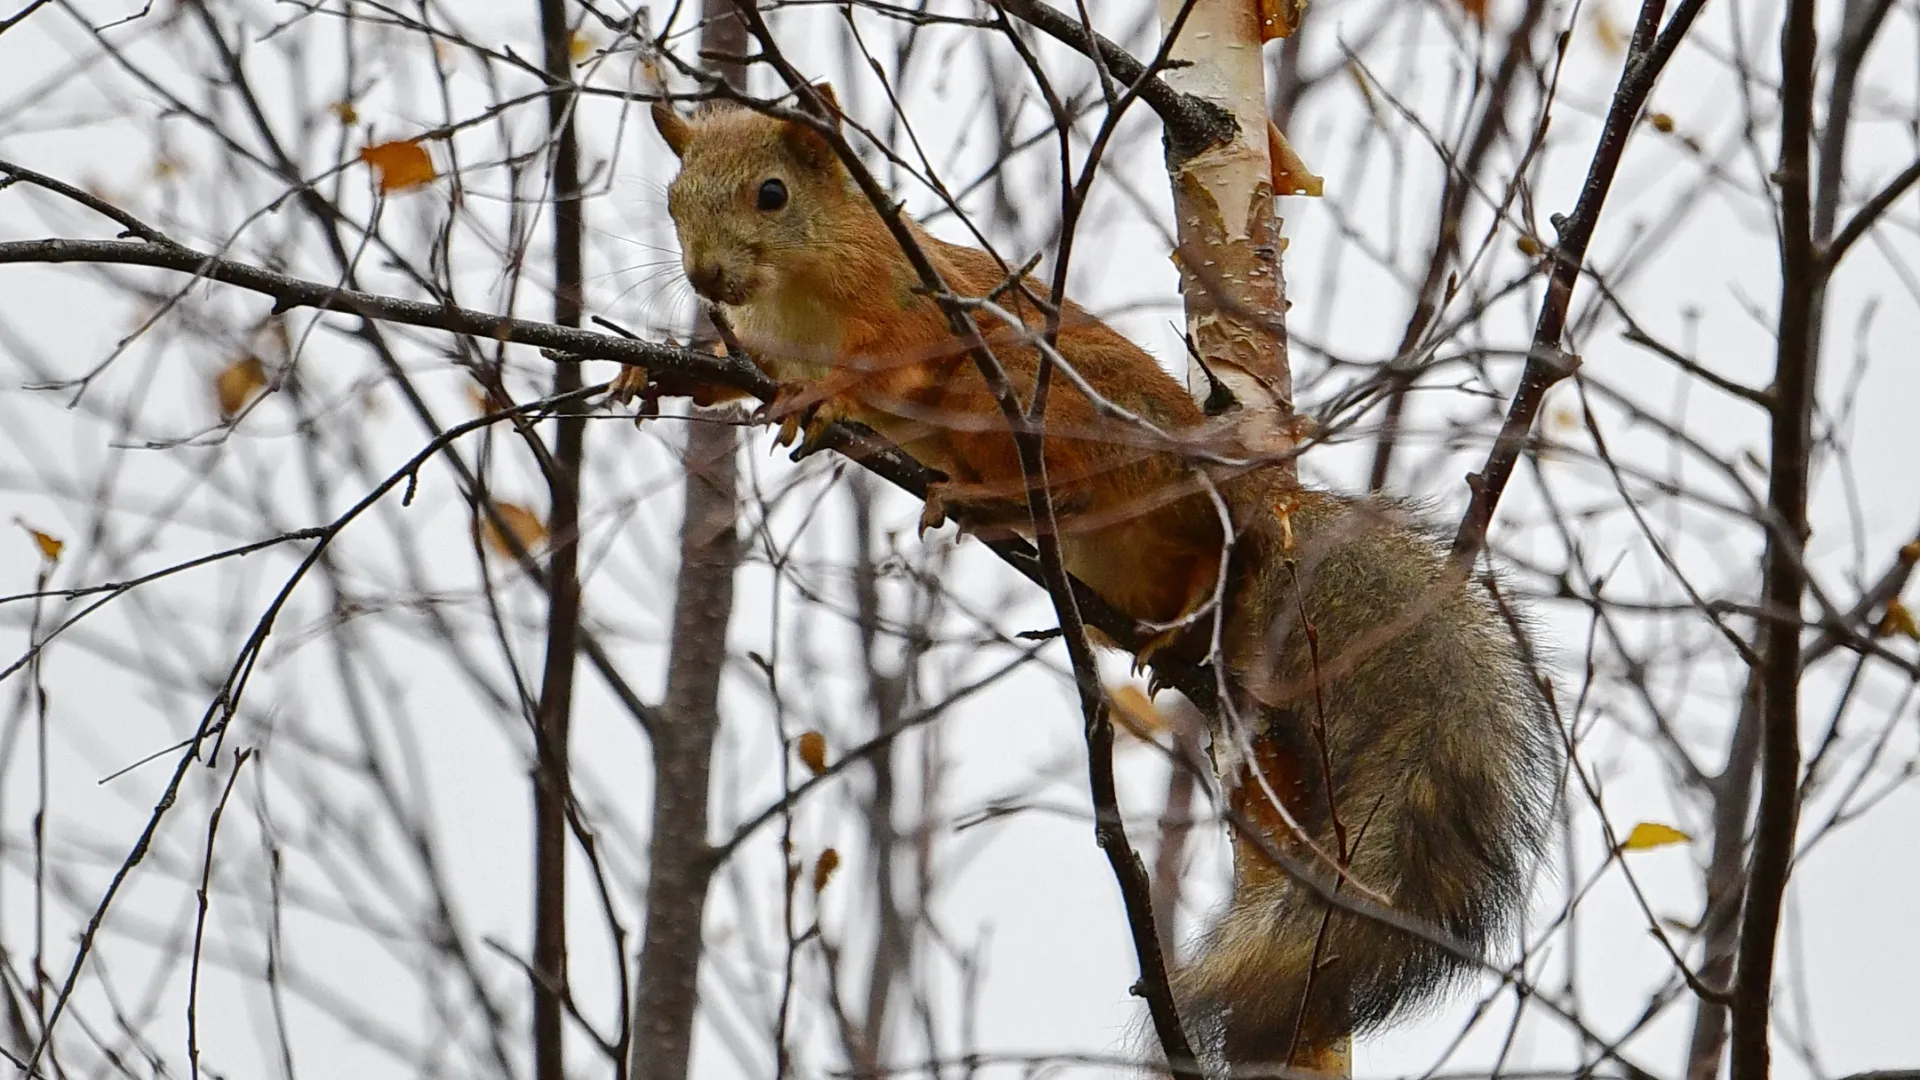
(673, 127)
(804, 140)
(829, 109)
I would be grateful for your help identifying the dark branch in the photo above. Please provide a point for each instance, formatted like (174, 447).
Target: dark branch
(1801, 294)
(1547, 363)
(1193, 124)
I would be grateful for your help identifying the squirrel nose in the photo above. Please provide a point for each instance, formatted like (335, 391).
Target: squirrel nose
(708, 280)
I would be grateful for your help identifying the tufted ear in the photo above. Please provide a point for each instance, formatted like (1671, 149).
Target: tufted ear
(829, 107)
(672, 127)
(805, 141)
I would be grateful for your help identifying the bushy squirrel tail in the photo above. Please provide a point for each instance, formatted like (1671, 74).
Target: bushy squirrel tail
(1413, 692)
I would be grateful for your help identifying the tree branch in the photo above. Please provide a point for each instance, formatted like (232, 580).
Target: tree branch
(873, 453)
(1192, 123)
(553, 718)
(1793, 388)
(1869, 213)
(1547, 363)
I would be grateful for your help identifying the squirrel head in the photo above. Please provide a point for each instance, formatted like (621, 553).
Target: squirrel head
(757, 196)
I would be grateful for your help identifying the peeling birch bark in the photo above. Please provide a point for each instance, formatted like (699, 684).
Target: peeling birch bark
(1228, 235)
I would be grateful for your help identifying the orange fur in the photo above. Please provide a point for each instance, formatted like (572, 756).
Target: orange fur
(825, 300)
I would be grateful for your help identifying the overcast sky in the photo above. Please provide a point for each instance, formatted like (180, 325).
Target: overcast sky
(1028, 890)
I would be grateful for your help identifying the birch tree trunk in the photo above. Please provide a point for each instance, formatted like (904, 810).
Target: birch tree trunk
(1236, 301)
(1228, 235)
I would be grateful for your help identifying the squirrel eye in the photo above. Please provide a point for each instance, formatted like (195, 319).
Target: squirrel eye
(773, 195)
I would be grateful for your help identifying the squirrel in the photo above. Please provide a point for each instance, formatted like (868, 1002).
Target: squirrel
(775, 234)
(1386, 699)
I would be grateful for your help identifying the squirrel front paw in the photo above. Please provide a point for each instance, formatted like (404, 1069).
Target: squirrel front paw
(978, 513)
(803, 413)
(631, 383)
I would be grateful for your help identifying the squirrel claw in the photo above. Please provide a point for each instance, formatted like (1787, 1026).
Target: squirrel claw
(631, 383)
(934, 513)
(1151, 647)
(813, 432)
(789, 407)
(789, 430)
(803, 416)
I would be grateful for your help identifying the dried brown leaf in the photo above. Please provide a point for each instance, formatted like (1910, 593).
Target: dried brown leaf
(812, 748)
(525, 525)
(50, 546)
(1899, 620)
(237, 383)
(401, 165)
(1612, 40)
(823, 869)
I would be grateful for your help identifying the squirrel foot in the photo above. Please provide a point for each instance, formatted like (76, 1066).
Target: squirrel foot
(970, 514)
(985, 515)
(1151, 646)
(632, 381)
(803, 414)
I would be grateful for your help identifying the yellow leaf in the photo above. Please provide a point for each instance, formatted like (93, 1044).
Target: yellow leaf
(1135, 712)
(580, 46)
(812, 748)
(1661, 122)
(345, 112)
(823, 870)
(1899, 620)
(1648, 835)
(50, 546)
(1607, 32)
(525, 525)
(237, 383)
(1528, 246)
(402, 165)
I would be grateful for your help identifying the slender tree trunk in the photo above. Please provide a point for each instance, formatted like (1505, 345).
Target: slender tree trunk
(552, 718)
(1733, 793)
(681, 861)
(1801, 290)
(1229, 238)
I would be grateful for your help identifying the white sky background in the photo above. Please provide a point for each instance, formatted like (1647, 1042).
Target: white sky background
(1029, 891)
